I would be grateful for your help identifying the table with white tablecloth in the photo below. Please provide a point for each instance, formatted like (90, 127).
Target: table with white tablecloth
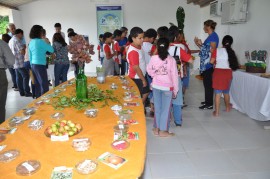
(250, 94)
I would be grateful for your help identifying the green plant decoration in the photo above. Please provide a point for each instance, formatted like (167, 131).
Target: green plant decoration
(180, 17)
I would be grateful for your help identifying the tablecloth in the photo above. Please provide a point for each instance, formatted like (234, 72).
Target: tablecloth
(34, 145)
(250, 94)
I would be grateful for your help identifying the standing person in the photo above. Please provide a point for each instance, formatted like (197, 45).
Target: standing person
(122, 44)
(162, 32)
(137, 65)
(61, 62)
(163, 69)
(6, 38)
(206, 69)
(37, 56)
(108, 63)
(225, 61)
(149, 49)
(22, 76)
(11, 32)
(58, 28)
(7, 60)
(177, 51)
(117, 58)
(100, 49)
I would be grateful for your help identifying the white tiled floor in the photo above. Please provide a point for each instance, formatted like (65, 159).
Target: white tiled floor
(232, 146)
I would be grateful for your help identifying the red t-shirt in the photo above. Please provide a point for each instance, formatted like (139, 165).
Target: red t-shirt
(133, 59)
(153, 49)
(107, 49)
(98, 47)
(116, 46)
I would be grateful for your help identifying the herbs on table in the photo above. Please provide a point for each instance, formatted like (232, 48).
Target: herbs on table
(94, 95)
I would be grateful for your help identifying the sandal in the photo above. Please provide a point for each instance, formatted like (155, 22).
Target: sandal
(155, 131)
(166, 134)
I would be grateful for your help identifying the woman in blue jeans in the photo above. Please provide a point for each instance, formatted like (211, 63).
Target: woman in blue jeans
(37, 56)
(61, 63)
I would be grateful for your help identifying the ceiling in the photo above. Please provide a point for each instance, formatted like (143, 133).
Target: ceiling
(14, 4)
(201, 3)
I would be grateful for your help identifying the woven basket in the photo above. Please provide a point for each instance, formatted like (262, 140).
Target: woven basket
(252, 69)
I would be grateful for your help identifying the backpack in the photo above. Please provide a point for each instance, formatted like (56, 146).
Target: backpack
(178, 63)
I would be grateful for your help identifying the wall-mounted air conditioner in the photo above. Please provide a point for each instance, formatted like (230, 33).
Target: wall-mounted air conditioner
(215, 8)
(234, 11)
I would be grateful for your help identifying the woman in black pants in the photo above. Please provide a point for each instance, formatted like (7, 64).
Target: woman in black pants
(206, 67)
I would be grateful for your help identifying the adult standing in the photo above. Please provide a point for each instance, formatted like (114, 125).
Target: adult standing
(206, 68)
(61, 63)
(11, 31)
(58, 28)
(37, 56)
(18, 49)
(7, 60)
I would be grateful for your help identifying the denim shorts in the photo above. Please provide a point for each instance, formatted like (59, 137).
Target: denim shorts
(222, 91)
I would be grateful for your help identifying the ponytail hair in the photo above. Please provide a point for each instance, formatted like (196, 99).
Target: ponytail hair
(162, 48)
(233, 61)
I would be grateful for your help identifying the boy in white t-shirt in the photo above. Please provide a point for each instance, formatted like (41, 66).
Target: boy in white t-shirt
(137, 65)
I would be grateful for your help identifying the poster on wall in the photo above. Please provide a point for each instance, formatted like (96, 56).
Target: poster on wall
(109, 18)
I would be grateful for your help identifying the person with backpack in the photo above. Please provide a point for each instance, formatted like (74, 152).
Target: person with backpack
(177, 50)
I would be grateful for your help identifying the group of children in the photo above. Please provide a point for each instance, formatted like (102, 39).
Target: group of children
(158, 63)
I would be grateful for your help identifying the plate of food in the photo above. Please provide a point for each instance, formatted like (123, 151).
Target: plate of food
(63, 127)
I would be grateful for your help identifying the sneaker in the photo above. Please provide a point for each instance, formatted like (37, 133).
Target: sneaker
(177, 125)
(28, 95)
(206, 107)
(16, 89)
(203, 103)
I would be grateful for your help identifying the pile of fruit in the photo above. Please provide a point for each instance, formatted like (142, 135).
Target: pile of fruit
(63, 127)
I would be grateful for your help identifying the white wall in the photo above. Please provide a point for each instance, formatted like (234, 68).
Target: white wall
(252, 35)
(81, 15)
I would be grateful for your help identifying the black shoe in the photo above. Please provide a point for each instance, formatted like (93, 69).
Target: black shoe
(16, 89)
(177, 125)
(206, 107)
(28, 95)
(184, 105)
(22, 94)
(13, 87)
(203, 103)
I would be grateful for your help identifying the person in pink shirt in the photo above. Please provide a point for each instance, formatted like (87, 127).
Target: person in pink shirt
(163, 69)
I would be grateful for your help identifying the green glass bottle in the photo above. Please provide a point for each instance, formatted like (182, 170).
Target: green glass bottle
(81, 85)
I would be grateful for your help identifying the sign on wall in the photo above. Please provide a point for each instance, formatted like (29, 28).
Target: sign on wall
(109, 18)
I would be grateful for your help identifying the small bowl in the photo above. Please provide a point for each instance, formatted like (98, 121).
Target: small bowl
(114, 86)
(29, 111)
(39, 103)
(15, 121)
(36, 124)
(4, 130)
(123, 116)
(116, 108)
(57, 115)
(120, 144)
(81, 144)
(86, 167)
(91, 112)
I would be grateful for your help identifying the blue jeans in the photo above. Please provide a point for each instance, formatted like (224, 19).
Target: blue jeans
(22, 79)
(149, 80)
(177, 104)
(101, 60)
(13, 77)
(163, 103)
(41, 79)
(60, 72)
(177, 113)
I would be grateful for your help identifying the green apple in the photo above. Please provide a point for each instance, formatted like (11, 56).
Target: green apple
(61, 129)
(70, 133)
(66, 128)
(54, 129)
(75, 129)
(69, 121)
(71, 125)
(64, 121)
